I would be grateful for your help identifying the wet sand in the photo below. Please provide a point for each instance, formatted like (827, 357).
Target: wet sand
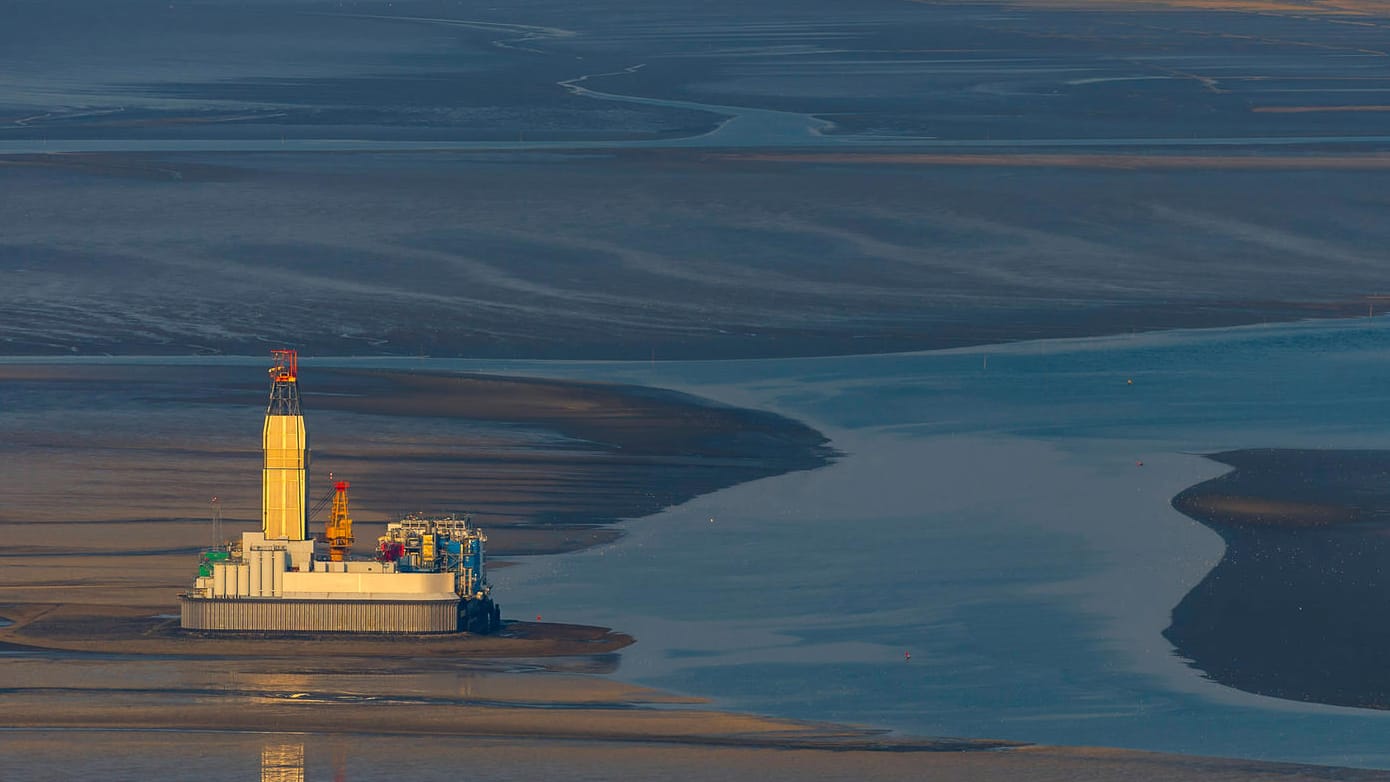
(623, 254)
(546, 466)
(554, 721)
(119, 630)
(675, 255)
(229, 757)
(1083, 160)
(1292, 609)
(103, 539)
(666, 744)
(365, 703)
(604, 215)
(100, 507)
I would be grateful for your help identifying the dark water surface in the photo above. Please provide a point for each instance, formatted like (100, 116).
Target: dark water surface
(616, 70)
(461, 179)
(552, 181)
(1004, 515)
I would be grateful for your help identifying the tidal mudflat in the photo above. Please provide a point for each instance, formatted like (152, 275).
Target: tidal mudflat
(112, 470)
(1288, 610)
(649, 182)
(989, 513)
(241, 757)
(615, 180)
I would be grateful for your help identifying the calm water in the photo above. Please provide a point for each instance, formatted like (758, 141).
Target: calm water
(992, 518)
(1001, 513)
(616, 179)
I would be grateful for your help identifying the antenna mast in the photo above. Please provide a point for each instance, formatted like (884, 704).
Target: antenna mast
(217, 541)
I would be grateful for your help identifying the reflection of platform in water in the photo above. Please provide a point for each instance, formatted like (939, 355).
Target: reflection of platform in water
(282, 763)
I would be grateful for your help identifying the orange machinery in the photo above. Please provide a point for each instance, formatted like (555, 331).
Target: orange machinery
(339, 529)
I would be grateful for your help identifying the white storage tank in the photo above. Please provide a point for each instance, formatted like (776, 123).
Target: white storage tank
(219, 579)
(277, 572)
(253, 563)
(266, 582)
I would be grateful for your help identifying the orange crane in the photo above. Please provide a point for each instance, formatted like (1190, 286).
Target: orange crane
(339, 529)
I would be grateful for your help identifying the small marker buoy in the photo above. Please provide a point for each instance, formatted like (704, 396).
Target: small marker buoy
(1129, 382)
(907, 656)
(538, 617)
(1138, 464)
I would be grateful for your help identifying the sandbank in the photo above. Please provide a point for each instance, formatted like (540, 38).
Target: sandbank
(1290, 609)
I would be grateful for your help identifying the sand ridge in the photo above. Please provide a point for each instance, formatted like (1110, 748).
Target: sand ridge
(1286, 611)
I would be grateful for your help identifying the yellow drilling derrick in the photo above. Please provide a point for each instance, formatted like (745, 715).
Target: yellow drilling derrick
(285, 444)
(339, 530)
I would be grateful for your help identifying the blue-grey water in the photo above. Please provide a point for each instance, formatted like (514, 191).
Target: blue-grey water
(991, 517)
(1002, 514)
(613, 178)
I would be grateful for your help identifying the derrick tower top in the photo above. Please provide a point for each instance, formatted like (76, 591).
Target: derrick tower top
(284, 383)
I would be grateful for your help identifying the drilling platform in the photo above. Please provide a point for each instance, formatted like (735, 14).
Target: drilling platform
(427, 575)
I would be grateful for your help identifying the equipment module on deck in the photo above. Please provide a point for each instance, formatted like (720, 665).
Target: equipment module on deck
(428, 575)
